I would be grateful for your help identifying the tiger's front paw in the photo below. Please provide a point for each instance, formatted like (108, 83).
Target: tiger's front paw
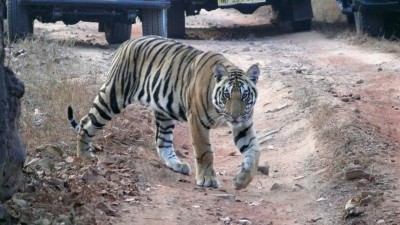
(243, 179)
(183, 168)
(208, 181)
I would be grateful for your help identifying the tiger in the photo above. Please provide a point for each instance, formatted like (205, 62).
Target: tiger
(180, 83)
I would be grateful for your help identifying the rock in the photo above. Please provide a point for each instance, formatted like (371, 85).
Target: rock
(335, 95)
(89, 177)
(356, 97)
(360, 81)
(263, 169)
(69, 159)
(246, 49)
(321, 199)
(20, 202)
(275, 186)
(355, 172)
(380, 222)
(362, 183)
(225, 219)
(228, 197)
(65, 220)
(42, 222)
(245, 221)
(233, 153)
(345, 99)
(106, 209)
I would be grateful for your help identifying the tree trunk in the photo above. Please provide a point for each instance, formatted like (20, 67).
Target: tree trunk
(12, 151)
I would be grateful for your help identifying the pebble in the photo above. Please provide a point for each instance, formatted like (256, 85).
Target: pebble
(356, 97)
(245, 222)
(362, 183)
(226, 196)
(360, 81)
(380, 222)
(354, 172)
(69, 159)
(246, 49)
(345, 99)
(106, 209)
(264, 170)
(275, 186)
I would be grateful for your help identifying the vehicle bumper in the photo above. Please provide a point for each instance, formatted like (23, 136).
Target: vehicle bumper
(155, 4)
(377, 5)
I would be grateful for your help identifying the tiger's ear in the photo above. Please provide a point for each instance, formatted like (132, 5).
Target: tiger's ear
(253, 72)
(219, 72)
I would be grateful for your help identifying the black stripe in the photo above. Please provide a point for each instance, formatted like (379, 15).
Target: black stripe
(245, 147)
(103, 103)
(87, 133)
(113, 99)
(242, 133)
(94, 121)
(101, 112)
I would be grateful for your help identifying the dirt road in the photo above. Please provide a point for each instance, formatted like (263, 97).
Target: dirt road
(326, 104)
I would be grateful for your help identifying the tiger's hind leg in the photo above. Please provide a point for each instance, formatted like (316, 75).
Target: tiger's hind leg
(164, 136)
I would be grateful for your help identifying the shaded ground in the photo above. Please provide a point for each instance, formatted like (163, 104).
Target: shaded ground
(325, 105)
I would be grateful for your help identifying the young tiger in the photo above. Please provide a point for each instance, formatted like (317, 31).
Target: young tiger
(179, 83)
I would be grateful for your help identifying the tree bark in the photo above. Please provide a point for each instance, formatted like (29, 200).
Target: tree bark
(12, 151)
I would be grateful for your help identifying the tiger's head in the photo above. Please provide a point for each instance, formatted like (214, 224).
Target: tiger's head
(235, 93)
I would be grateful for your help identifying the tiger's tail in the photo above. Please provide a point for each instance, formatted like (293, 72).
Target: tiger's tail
(71, 119)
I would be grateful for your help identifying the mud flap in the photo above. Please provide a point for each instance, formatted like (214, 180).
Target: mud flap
(301, 10)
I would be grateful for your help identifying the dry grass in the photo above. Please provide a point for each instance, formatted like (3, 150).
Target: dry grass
(47, 69)
(347, 140)
(54, 78)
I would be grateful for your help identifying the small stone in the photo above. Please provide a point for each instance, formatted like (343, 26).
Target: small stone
(275, 186)
(245, 221)
(355, 172)
(321, 199)
(263, 169)
(363, 182)
(20, 202)
(360, 81)
(228, 197)
(356, 97)
(345, 99)
(380, 222)
(246, 49)
(106, 209)
(233, 153)
(335, 95)
(380, 69)
(69, 159)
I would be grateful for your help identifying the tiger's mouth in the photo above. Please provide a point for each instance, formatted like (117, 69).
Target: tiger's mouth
(237, 120)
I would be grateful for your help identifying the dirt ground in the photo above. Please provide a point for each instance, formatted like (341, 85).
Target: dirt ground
(313, 91)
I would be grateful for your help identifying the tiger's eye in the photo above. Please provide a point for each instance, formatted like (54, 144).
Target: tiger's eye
(245, 95)
(226, 94)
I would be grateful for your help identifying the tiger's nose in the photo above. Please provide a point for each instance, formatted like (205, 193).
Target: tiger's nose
(234, 117)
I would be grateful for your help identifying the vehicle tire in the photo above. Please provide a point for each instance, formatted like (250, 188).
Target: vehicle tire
(302, 25)
(116, 33)
(20, 25)
(154, 22)
(176, 19)
(350, 20)
(372, 24)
